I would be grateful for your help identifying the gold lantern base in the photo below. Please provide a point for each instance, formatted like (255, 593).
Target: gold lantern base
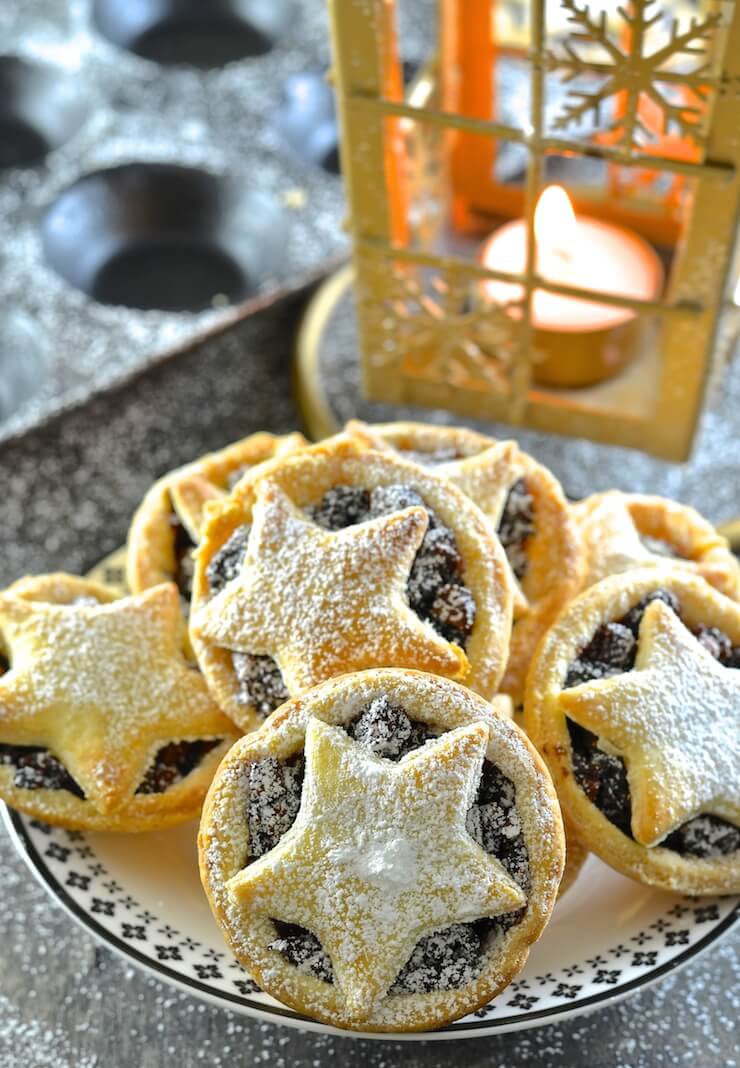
(328, 394)
(312, 396)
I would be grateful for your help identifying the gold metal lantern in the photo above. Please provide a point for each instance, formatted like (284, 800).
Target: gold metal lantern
(600, 315)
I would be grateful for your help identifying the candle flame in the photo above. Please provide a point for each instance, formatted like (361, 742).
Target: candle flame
(555, 222)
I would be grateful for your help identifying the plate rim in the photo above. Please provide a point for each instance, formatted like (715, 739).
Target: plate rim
(14, 822)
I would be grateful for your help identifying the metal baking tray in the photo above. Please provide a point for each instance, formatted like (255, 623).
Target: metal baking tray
(166, 167)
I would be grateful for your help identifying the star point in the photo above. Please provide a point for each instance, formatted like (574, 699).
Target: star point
(190, 492)
(673, 720)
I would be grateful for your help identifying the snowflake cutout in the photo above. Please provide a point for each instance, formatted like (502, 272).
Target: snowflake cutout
(656, 88)
(440, 331)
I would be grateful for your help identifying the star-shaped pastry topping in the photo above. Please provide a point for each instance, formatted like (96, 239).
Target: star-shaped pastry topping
(322, 603)
(103, 687)
(674, 721)
(379, 856)
(613, 538)
(189, 493)
(487, 478)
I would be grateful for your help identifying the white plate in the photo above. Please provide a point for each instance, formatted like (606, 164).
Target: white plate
(140, 895)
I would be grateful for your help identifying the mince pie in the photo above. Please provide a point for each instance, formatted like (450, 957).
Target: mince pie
(102, 723)
(634, 701)
(166, 527)
(382, 853)
(340, 559)
(622, 531)
(528, 509)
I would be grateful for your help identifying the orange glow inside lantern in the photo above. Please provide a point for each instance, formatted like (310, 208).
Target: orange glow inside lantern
(485, 60)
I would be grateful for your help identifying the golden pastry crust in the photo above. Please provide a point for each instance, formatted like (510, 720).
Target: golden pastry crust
(60, 588)
(443, 706)
(323, 603)
(576, 855)
(181, 494)
(101, 683)
(485, 470)
(672, 720)
(427, 444)
(612, 527)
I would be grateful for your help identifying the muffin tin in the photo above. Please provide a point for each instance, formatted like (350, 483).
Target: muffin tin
(166, 166)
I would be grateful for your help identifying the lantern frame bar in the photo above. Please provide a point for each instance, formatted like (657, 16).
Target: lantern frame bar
(385, 159)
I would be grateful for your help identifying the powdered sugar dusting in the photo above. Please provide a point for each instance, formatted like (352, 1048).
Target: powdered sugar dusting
(675, 719)
(387, 860)
(371, 862)
(103, 686)
(321, 603)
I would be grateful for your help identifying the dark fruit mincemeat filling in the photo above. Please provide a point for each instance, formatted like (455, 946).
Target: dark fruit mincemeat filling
(436, 590)
(446, 959)
(516, 526)
(603, 776)
(259, 681)
(36, 768)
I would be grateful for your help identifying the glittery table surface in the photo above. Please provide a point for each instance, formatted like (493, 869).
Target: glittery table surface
(68, 490)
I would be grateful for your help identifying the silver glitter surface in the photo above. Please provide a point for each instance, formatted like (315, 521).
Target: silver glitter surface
(139, 111)
(68, 491)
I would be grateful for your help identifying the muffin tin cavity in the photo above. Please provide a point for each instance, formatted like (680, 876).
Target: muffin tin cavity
(188, 83)
(306, 120)
(164, 237)
(191, 32)
(40, 108)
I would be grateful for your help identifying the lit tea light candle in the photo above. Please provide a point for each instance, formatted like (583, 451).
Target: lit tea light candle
(578, 342)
